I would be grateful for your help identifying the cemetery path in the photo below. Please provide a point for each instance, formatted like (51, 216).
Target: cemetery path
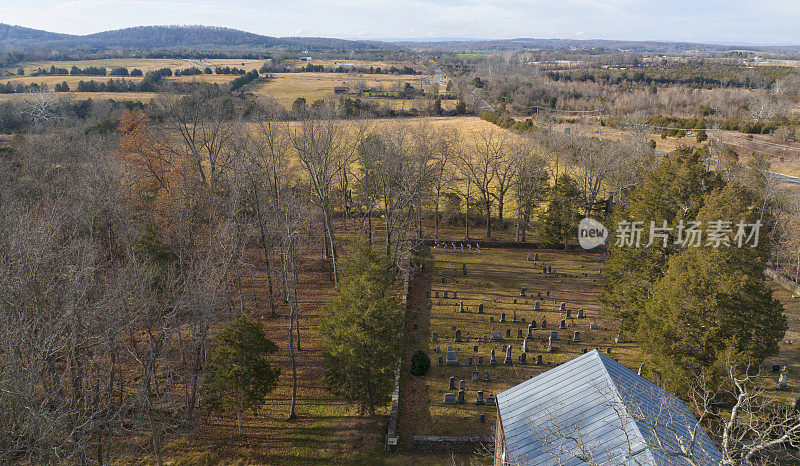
(414, 416)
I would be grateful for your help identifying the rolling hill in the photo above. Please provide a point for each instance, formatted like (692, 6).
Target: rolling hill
(172, 37)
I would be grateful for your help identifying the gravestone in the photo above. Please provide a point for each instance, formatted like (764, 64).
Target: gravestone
(550, 344)
(483, 418)
(639, 371)
(475, 348)
(496, 337)
(563, 324)
(539, 360)
(462, 384)
(461, 307)
(544, 269)
(536, 256)
(783, 379)
(584, 351)
(525, 346)
(458, 336)
(436, 349)
(439, 272)
(437, 293)
(492, 360)
(415, 325)
(480, 308)
(569, 314)
(544, 324)
(530, 257)
(452, 358)
(536, 306)
(490, 400)
(580, 313)
(475, 376)
(522, 320)
(445, 294)
(532, 326)
(486, 376)
(508, 361)
(523, 358)
(562, 306)
(455, 294)
(576, 336)
(480, 360)
(514, 318)
(548, 293)
(520, 333)
(479, 397)
(593, 326)
(502, 317)
(554, 335)
(449, 398)
(470, 361)
(441, 361)
(491, 318)
(522, 292)
(452, 383)
(435, 336)
(776, 368)
(461, 397)
(443, 283)
(508, 333)
(464, 269)
(549, 269)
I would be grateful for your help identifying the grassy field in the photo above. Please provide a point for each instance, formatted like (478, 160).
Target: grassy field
(789, 352)
(286, 87)
(135, 96)
(495, 278)
(144, 64)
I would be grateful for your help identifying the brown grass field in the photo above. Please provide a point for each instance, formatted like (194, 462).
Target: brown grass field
(140, 96)
(286, 87)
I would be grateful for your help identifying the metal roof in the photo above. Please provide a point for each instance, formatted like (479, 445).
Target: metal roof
(594, 409)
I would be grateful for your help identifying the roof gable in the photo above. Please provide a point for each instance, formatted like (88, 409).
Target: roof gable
(592, 408)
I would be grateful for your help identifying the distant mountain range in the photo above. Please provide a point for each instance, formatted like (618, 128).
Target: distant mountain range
(210, 37)
(172, 37)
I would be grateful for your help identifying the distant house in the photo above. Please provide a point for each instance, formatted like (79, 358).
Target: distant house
(340, 89)
(594, 409)
(305, 58)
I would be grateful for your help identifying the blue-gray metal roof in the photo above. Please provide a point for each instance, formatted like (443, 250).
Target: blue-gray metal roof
(594, 409)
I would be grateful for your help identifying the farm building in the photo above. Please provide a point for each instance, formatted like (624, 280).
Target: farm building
(593, 409)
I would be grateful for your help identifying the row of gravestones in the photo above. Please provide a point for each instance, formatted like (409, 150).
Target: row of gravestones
(451, 358)
(498, 337)
(450, 398)
(468, 249)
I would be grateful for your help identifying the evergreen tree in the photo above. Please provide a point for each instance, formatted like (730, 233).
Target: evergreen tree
(360, 330)
(560, 220)
(712, 302)
(239, 375)
(673, 192)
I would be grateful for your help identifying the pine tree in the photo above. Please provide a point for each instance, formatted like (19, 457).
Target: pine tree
(712, 302)
(361, 330)
(239, 374)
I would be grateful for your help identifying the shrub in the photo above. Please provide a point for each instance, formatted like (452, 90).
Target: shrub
(420, 363)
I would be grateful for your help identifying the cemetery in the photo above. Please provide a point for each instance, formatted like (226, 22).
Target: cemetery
(490, 319)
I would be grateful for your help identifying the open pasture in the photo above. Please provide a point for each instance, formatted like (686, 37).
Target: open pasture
(287, 87)
(499, 292)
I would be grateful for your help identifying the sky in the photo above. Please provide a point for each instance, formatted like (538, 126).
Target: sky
(733, 21)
